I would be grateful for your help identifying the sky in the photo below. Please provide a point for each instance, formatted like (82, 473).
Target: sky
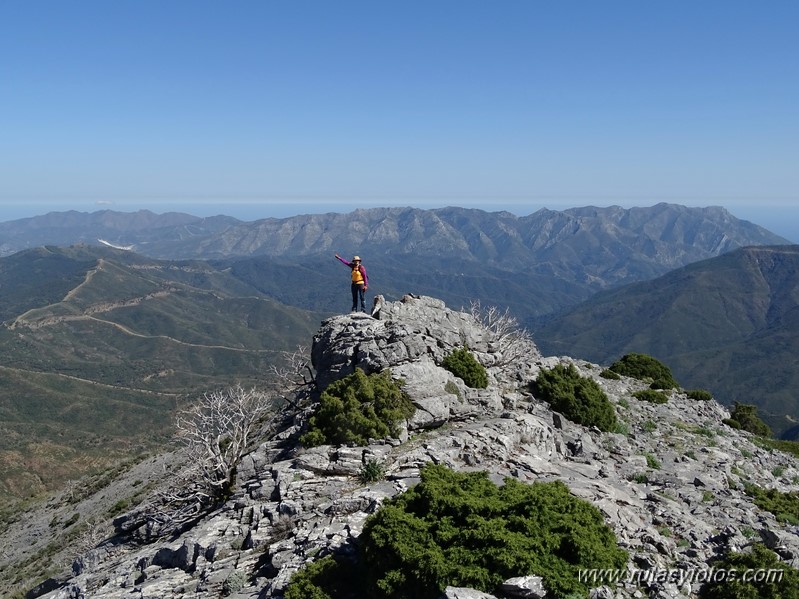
(271, 108)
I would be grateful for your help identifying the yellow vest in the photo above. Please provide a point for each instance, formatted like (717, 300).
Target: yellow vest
(357, 275)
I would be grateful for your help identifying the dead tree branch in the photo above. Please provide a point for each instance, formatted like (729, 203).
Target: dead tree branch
(294, 376)
(217, 430)
(512, 341)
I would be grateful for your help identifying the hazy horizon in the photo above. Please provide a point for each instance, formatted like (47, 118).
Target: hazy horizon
(258, 109)
(781, 220)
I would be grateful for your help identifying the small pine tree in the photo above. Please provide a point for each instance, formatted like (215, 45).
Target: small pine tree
(759, 560)
(699, 394)
(461, 529)
(651, 395)
(610, 375)
(327, 578)
(784, 506)
(746, 417)
(578, 398)
(732, 423)
(465, 366)
(357, 408)
(644, 367)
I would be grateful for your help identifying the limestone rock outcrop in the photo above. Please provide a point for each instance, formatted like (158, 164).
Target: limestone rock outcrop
(669, 481)
(412, 337)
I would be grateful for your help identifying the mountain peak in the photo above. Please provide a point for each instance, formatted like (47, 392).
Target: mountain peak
(672, 482)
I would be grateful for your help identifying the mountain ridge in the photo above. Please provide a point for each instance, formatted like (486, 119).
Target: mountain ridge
(673, 481)
(737, 313)
(571, 254)
(106, 343)
(488, 235)
(578, 258)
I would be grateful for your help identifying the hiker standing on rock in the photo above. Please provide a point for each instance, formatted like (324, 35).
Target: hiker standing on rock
(360, 282)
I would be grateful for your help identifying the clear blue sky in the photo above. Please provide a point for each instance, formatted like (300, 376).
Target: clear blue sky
(271, 108)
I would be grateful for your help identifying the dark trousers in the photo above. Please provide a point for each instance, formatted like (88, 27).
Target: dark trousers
(358, 292)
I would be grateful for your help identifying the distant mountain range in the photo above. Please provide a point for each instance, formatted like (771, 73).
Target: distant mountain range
(100, 344)
(538, 264)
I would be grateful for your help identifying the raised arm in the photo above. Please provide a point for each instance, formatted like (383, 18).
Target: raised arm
(343, 261)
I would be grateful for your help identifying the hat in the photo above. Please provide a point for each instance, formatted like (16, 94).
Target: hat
(356, 258)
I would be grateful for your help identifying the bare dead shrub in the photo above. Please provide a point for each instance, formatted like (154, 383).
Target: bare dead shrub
(294, 376)
(512, 341)
(217, 430)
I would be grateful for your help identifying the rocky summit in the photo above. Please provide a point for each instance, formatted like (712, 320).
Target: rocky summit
(669, 480)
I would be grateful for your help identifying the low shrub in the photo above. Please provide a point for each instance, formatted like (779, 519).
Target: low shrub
(452, 389)
(460, 529)
(465, 366)
(651, 395)
(699, 394)
(371, 472)
(784, 506)
(358, 408)
(732, 423)
(326, 578)
(705, 431)
(791, 447)
(234, 583)
(578, 398)
(769, 585)
(746, 417)
(663, 384)
(282, 528)
(645, 368)
(119, 507)
(652, 461)
(610, 375)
